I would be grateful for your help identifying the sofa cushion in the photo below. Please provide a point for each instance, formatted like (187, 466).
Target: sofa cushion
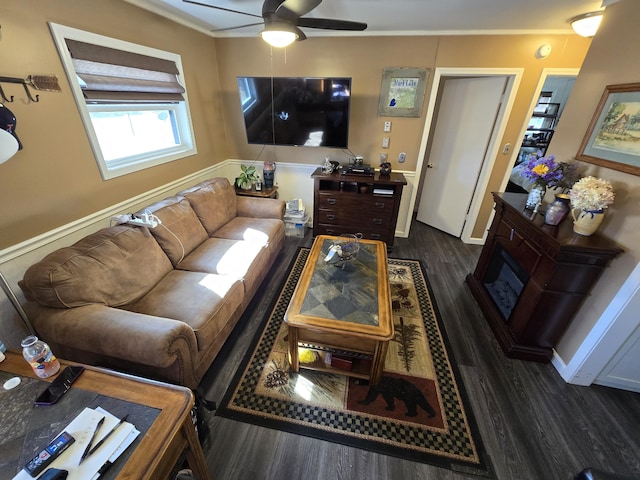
(264, 231)
(204, 301)
(180, 231)
(214, 201)
(113, 266)
(236, 258)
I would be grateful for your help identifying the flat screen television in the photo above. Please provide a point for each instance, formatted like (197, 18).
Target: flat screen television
(296, 111)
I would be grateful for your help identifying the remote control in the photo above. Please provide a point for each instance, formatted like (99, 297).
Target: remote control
(60, 385)
(41, 461)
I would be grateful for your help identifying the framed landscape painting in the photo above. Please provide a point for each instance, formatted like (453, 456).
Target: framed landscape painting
(613, 137)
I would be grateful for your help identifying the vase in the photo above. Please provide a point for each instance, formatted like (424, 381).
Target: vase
(536, 194)
(557, 210)
(587, 221)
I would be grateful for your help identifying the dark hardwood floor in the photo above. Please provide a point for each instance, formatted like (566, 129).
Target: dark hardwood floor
(533, 424)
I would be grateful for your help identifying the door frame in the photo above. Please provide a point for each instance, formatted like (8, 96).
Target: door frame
(546, 72)
(514, 76)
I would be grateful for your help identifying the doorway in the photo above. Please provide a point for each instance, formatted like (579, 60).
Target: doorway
(463, 129)
(545, 112)
(477, 186)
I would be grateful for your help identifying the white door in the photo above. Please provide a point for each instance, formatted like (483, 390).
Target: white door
(463, 130)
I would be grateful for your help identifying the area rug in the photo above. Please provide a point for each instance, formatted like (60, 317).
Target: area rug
(418, 411)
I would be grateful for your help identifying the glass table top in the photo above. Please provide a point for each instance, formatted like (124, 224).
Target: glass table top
(347, 293)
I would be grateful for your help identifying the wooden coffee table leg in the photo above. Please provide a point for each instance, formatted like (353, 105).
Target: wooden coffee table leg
(293, 349)
(377, 363)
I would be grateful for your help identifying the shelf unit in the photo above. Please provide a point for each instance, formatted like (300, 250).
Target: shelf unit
(361, 362)
(541, 127)
(351, 203)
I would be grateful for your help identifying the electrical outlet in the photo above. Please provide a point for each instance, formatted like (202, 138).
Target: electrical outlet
(402, 157)
(387, 126)
(383, 157)
(385, 142)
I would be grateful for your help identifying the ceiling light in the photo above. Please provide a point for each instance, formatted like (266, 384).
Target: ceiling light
(586, 24)
(278, 35)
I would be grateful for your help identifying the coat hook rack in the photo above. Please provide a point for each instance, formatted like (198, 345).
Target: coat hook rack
(38, 82)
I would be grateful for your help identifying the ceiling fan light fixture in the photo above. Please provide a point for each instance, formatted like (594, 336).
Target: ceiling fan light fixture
(279, 35)
(586, 25)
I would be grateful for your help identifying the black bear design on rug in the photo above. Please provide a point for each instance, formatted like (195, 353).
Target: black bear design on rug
(391, 387)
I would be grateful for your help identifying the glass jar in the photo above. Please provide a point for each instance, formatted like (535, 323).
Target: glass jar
(557, 210)
(38, 354)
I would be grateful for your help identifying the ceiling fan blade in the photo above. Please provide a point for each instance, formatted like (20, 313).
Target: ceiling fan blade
(293, 9)
(239, 26)
(330, 24)
(269, 7)
(220, 8)
(301, 35)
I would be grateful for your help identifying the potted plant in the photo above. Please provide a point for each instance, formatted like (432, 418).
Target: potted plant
(247, 177)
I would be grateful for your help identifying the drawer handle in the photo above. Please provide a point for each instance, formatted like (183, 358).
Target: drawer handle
(379, 204)
(375, 236)
(511, 235)
(330, 231)
(331, 217)
(377, 221)
(331, 201)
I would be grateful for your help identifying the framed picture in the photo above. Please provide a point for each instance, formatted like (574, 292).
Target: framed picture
(613, 137)
(402, 92)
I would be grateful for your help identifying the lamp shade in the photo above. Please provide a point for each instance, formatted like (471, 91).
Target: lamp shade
(8, 146)
(278, 34)
(586, 25)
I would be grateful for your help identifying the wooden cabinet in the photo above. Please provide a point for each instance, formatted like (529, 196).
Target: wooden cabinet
(344, 203)
(531, 278)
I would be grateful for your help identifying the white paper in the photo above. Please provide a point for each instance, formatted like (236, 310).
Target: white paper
(81, 428)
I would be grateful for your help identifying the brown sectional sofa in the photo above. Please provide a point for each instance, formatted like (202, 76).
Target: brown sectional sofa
(158, 302)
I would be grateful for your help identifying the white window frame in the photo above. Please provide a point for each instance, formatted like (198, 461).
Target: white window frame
(123, 166)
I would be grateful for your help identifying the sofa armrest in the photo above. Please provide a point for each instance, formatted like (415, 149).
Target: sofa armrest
(254, 207)
(130, 336)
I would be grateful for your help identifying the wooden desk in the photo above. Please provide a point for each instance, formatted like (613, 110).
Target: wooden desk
(357, 321)
(170, 438)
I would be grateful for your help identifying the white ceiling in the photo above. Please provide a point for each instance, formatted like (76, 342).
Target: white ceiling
(392, 17)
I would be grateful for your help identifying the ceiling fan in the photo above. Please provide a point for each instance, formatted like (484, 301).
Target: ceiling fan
(281, 19)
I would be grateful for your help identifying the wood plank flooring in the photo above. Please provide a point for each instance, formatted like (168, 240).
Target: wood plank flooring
(533, 424)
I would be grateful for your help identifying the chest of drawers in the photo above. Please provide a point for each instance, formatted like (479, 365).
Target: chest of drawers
(344, 203)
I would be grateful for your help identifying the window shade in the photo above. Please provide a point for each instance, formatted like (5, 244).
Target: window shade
(108, 74)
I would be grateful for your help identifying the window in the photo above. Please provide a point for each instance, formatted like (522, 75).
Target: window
(131, 98)
(247, 88)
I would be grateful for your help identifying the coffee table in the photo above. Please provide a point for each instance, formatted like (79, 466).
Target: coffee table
(342, 315)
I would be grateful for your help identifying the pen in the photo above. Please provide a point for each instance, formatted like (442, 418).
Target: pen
(86, 452)
(115, 427)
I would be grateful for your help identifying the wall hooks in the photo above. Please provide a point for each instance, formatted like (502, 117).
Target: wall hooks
(37, 82)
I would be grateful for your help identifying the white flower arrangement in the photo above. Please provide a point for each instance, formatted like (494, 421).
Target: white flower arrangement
(591, 194)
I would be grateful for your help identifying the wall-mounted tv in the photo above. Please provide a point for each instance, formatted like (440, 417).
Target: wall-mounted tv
(296, 111)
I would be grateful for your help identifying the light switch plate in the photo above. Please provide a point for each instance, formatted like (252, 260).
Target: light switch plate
(385, 142)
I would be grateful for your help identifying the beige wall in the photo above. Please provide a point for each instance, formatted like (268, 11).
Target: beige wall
(613, 58)
(363, 59)
(55, 180)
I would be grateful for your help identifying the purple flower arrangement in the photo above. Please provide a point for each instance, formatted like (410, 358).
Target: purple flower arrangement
(548, 172)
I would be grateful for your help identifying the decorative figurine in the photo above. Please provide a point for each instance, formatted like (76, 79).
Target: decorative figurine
(385, 168)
